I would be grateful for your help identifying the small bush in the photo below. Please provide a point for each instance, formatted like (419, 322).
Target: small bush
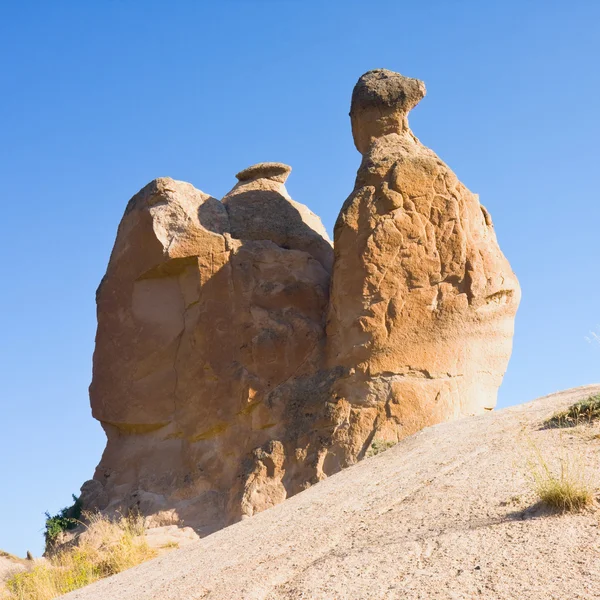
(66, 518)
(583, 412)
(378, 446)
(566, 490)
(106, 547)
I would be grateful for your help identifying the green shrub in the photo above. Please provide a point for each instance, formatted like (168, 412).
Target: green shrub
(583, 412)
(66, 518)
(111, 547)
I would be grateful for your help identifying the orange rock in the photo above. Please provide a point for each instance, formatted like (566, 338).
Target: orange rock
(423, 301)
(196, 329)
(220, 388)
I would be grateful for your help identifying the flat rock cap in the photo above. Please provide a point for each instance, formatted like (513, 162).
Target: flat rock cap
(383, 88)
(266, 170)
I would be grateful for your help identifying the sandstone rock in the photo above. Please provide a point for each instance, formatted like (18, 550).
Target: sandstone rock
(170, 231)
(222, 392)
(260, 208)
(381, 101)
(423, 301)
(196, 331)
(273, 171)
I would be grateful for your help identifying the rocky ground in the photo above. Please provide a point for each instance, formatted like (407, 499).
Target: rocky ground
(448, 513)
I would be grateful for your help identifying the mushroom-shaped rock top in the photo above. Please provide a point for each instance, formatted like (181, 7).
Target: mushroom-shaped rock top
(381, 87)
(381, 101)
(267, 170)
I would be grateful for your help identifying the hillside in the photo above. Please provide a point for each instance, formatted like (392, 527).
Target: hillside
(9, 565)
(448, 513)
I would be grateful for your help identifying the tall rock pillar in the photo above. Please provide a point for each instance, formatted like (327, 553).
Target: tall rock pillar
(423, 301)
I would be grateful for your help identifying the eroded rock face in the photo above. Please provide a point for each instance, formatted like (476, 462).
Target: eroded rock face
(196, 330)
(423, 300)
(239, 361)
(260, 208)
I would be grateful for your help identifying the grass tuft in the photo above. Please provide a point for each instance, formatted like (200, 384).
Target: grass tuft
(566, 489)
(584, 412)
(106, 547)
(170, 546)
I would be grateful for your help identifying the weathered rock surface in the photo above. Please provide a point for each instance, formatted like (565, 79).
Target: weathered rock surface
(224, 376)
(447, 514)
(423, 301)
(199, 336)
(260, 208)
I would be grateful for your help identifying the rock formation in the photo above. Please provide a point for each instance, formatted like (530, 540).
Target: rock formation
(196, 330)
(224, 376)
(423, 301)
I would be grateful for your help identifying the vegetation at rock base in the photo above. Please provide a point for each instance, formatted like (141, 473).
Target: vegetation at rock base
(583, 412)
(66, 518)
(378, 446)
(566, 488)
(105, 548)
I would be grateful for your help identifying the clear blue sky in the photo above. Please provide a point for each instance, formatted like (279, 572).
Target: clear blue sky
(98, 98)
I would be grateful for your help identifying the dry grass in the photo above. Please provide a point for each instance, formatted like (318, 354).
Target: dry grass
(170, 546)
(106, 547)
(566, 488)
(581, 413)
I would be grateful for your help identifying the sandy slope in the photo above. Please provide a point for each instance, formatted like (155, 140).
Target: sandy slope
(447, 513)
(9, 565)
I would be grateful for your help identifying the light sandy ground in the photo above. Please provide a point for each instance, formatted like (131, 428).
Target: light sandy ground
(446, 514)
(8, 567)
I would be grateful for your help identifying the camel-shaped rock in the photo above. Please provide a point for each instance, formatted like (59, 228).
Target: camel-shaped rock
(239, 359)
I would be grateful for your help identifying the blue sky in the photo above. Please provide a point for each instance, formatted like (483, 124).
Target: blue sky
(98, 98)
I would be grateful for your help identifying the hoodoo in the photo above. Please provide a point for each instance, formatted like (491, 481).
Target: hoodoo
(423, 301)
(239, 359)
